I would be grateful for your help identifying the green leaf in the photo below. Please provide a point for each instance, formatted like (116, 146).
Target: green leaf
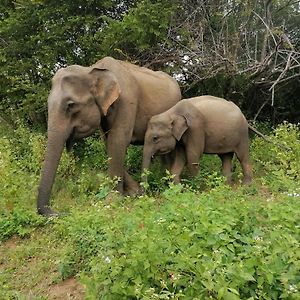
(246, 276)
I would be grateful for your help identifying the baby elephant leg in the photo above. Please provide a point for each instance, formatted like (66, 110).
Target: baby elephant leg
(194, 151)
(178, 163)
(193, 162)
(242, 154)
(227, 166)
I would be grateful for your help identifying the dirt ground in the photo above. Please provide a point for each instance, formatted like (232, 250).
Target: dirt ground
(40, 282)
(65, 290)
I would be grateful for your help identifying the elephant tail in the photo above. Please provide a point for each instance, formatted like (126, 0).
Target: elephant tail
(266, 138)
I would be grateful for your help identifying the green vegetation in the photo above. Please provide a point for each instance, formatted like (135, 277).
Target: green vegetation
(198, 240)
(38, 37)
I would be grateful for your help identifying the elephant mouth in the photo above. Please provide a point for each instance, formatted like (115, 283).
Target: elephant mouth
(163, 152)
(73, 137)
(77, 135)
(70, 142)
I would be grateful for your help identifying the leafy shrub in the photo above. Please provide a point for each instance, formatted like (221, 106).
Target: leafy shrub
(228, 246)
(279, 161)
(14, 187)
(134, 159)
(20, 221)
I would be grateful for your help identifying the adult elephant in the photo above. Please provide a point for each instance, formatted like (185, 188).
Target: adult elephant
(115, 96)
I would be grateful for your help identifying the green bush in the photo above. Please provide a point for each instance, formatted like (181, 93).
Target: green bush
(18, 221)
(223, 244)
(91, 153)
(134, 159)
(278, 162)
(16, 183)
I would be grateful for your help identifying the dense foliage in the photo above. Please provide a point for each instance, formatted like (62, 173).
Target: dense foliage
(229, 246)
(201, 239)
(245, 51)
(38, 37)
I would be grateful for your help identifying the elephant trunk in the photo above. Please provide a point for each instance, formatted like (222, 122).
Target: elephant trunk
(55, 146)
(147, 155)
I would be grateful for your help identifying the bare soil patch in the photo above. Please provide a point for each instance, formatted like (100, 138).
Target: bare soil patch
(67, 289)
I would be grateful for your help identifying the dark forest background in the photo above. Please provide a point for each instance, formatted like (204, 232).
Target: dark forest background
(245, 51)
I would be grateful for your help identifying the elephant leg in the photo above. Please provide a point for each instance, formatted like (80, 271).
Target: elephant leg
(167, 160)
(242, 154)
(227, 166)
(193, 156)
(194, 148)
(118, 139)
(116, 151)
(179, 161)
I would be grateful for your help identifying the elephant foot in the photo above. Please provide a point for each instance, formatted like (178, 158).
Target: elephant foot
(176, 179)
(247, 181)
(47, 212)
(132, 191)
(229, 181)
(131, 187)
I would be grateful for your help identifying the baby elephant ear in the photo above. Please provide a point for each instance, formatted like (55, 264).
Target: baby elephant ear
(179, 126)
(105, 87)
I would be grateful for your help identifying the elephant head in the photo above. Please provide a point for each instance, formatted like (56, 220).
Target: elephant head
(163, 132)
(78, 98)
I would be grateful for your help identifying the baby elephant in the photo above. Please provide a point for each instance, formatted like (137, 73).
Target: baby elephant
(194, 126)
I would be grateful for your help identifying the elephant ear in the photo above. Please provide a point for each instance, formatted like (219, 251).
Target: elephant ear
(179, 125)
(105, 87)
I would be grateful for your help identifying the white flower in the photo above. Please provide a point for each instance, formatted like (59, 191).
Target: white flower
(107, 260)
(160, 220)
(294, 195)
(293, 288)
(258, 238)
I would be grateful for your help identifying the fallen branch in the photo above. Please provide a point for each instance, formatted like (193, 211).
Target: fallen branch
(260, 109)
(266, 138)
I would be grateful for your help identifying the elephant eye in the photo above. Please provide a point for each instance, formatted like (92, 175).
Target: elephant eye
(70, 105)
(155, 139)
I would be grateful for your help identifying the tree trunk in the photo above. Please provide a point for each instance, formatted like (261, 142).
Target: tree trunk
(266, 36)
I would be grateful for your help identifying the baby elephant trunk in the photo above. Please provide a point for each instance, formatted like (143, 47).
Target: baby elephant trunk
(147, 155)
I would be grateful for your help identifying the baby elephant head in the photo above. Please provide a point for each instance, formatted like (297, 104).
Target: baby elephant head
(163, 132)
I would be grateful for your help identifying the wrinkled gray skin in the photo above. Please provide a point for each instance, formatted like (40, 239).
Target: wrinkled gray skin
(194, 126)
(117, 97)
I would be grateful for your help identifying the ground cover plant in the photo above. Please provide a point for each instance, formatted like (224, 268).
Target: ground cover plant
(198, 240)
